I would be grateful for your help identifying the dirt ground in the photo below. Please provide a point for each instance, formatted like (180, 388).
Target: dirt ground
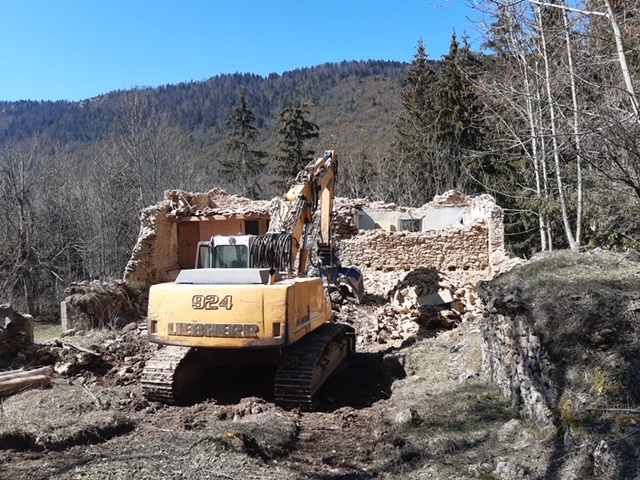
(409, 409)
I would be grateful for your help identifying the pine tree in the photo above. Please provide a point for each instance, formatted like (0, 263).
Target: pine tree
(457, 123)
(295, 130)
(242, 169)
(414, 143)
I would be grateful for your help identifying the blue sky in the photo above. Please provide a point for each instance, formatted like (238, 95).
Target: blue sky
(73, 49)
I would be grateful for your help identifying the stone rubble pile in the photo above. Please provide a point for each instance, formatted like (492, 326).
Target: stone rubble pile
(213, 202)
(16, 330)
(113, 358)
(399, 304)
(342, 222)
(96, 304)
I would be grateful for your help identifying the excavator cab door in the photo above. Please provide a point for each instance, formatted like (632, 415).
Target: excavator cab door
(230, 256)
(231, 251)
(203, 255)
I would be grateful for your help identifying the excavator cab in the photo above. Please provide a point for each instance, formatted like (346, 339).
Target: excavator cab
(224, 252)
(235, 252)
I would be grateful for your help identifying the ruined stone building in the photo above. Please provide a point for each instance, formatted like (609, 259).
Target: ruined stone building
(453, 233)
(407, 255)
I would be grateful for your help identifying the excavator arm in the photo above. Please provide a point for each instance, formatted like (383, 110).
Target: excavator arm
(313, 188)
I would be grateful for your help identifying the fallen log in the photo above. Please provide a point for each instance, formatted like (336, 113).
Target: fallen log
(19, 380)
(11, 373)
(21, 373)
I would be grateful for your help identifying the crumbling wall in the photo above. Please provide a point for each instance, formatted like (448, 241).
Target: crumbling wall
(474, 246)
(513, 355)
(156, 252)
(453, 249)
(155, 258)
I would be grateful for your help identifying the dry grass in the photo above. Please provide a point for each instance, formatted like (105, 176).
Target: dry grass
(459, 413)
(43, 332)
(55, 419)
(585, 310)
(580, 305)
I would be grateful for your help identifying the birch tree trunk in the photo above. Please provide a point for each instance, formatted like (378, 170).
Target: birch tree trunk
(622, 60)
(554, 137)
(576, 128)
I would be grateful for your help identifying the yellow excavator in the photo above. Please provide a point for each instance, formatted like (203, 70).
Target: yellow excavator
(259, 298)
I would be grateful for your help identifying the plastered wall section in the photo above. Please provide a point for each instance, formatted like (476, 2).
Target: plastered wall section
(156, 256)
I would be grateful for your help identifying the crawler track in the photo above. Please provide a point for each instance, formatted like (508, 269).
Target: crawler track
(309, 363)
(160, 377)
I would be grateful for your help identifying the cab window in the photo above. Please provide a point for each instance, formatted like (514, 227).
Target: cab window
(230, 256)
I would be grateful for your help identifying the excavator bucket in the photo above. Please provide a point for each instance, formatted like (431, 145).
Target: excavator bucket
(348, 280)
(351, 278)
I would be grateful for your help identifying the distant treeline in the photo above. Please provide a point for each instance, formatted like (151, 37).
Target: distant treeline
(353, 92)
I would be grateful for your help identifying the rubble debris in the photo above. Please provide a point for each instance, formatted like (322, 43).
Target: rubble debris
(16, 330)
(96, 304)
(399, 304)
(213, 202)
(408, 417)
(109, 357)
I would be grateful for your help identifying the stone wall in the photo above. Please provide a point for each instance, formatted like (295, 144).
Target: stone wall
(453, 249)
(513, 356)
(156, 251)
(473, 248)
(560, 339)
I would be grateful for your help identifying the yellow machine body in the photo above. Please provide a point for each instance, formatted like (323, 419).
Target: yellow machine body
(236, 316)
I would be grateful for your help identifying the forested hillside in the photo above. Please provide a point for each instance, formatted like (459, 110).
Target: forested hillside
(76, 175)
(363, 95)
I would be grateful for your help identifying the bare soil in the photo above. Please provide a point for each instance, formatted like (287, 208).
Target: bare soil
(416, 408)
